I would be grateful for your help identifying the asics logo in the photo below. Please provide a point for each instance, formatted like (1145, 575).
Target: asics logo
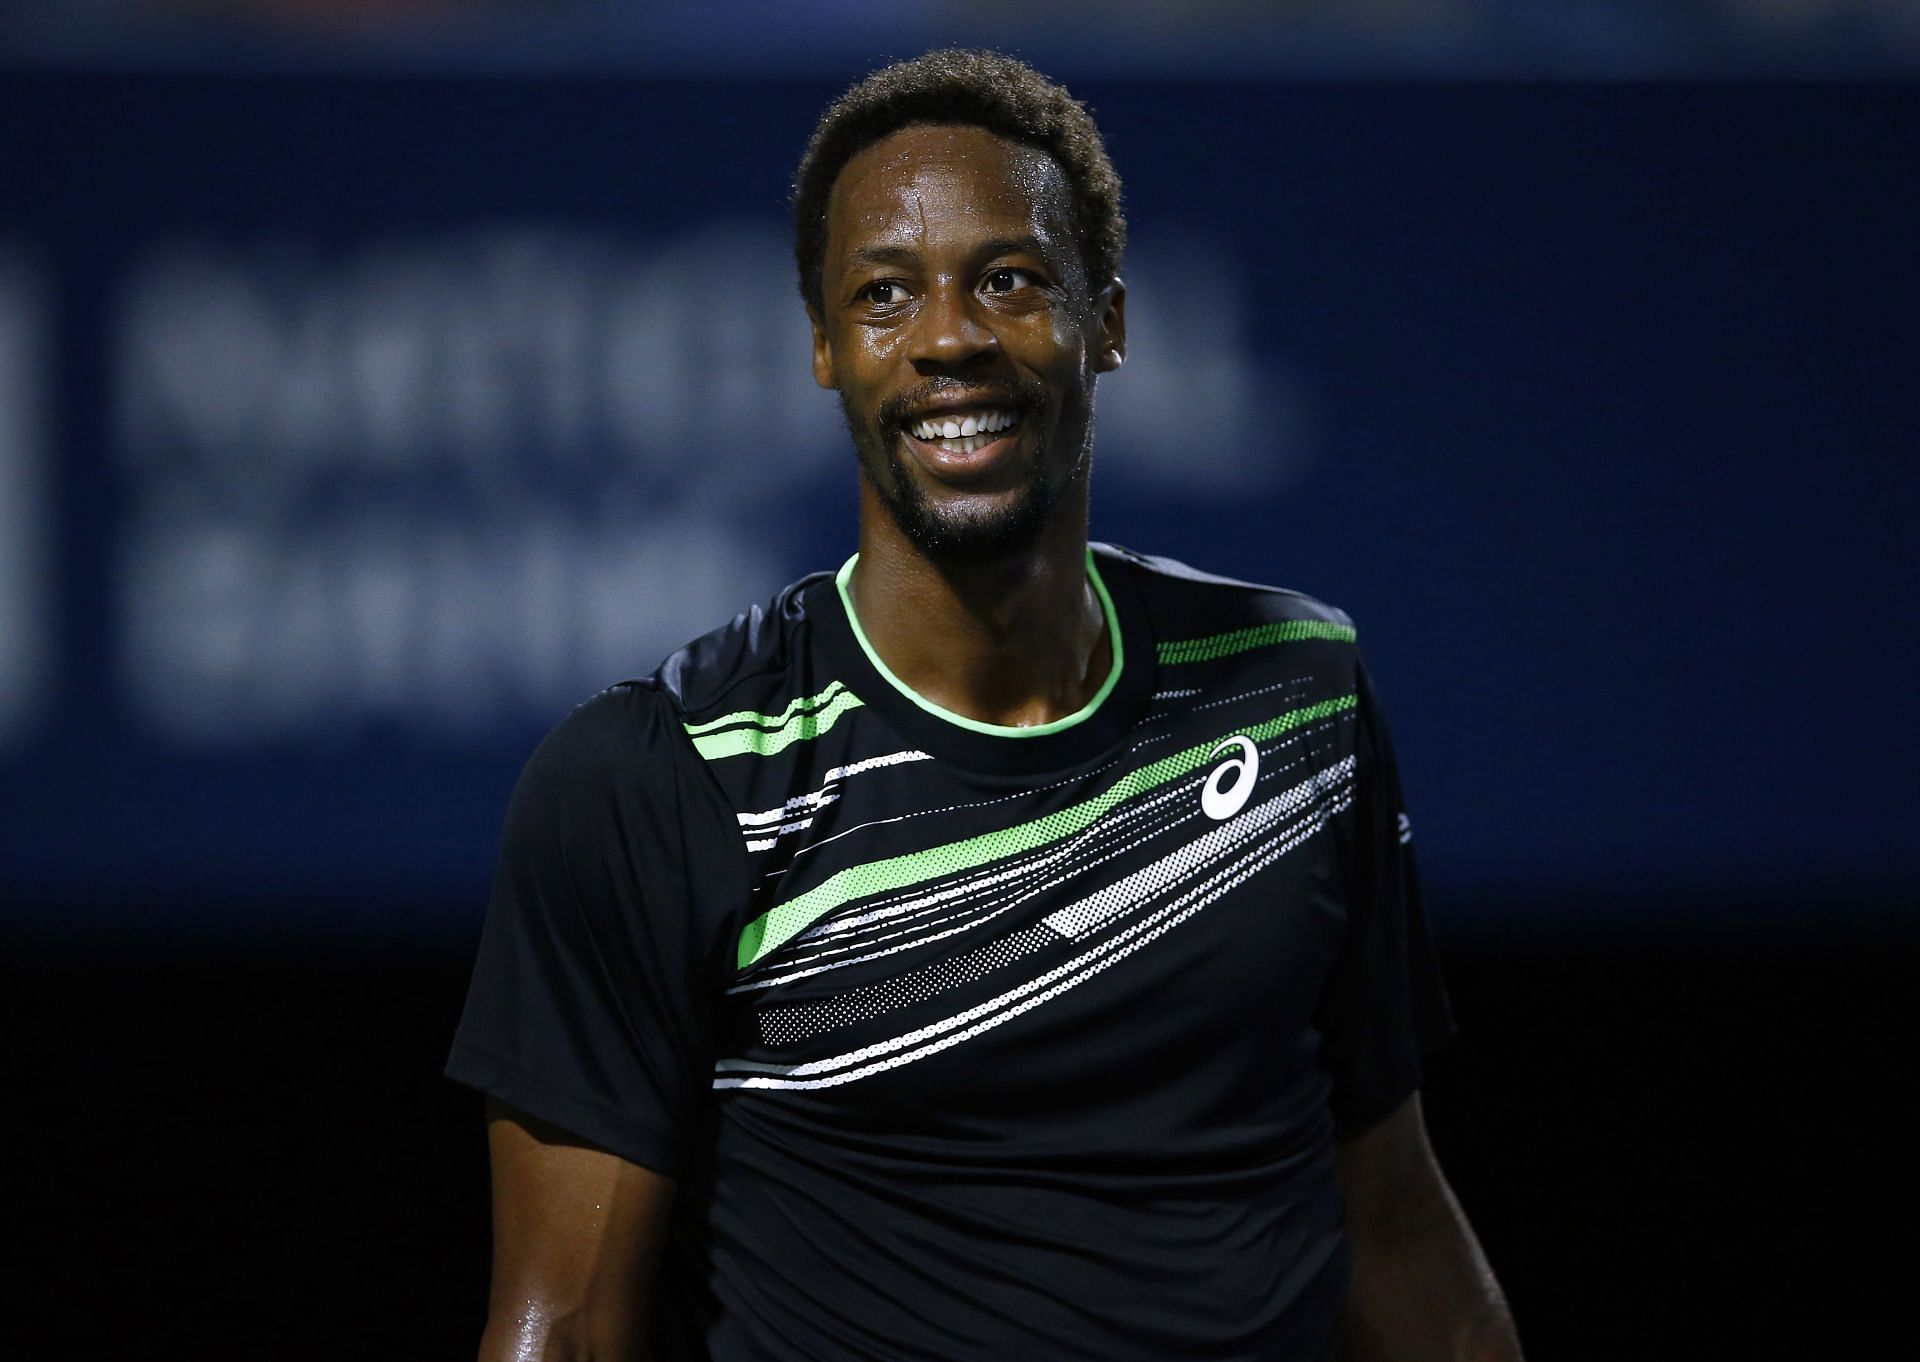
(1231, 784)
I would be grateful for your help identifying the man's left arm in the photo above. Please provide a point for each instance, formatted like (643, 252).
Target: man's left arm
(1422, 1290)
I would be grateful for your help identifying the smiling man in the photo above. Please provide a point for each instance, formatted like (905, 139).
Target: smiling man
(1002, 947)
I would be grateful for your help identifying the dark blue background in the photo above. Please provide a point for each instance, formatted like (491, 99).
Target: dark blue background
(1612, 394)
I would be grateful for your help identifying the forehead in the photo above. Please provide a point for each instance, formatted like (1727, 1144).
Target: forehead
(934, 186)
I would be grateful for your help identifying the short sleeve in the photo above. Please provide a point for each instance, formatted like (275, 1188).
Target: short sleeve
(1384, 1008)
(593, 999)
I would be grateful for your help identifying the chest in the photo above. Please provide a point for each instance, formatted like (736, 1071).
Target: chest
(935, 953)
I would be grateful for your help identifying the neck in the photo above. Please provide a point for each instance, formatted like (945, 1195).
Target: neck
(1015, 640)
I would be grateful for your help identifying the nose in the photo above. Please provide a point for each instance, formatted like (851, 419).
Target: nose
(950, 335)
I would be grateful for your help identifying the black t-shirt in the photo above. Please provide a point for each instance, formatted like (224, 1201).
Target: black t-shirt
(968, 1041)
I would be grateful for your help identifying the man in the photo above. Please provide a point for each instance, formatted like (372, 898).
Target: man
(995, 949)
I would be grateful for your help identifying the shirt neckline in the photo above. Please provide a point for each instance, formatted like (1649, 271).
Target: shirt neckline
(1114, 670)
(1090, 732)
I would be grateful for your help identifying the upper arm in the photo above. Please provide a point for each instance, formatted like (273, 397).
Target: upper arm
(1421, 1287)
(577, 1238)
(1389, 1178)
(598, 987)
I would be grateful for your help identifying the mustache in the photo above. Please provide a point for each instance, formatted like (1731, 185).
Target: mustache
(1018, 395)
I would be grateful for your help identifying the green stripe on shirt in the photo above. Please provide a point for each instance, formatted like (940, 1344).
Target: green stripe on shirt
(765, 742)
(1244, 640)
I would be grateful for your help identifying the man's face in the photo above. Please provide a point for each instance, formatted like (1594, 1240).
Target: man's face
(958, 326)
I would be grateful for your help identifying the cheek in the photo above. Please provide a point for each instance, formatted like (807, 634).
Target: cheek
(863, 361)
(1071, 353)
(1065, 331)
(877, 347)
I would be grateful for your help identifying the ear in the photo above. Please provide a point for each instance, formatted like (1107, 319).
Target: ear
(1110, 327)
(822, 351)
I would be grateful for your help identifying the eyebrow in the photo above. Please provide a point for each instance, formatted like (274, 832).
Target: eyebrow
(868, 257)
(1013, 245)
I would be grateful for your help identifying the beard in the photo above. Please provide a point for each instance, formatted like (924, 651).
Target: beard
(958, 532)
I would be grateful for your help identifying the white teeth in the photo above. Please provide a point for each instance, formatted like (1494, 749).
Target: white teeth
(964, 427)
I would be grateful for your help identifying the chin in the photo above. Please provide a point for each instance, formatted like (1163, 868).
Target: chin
(966, 527)
(1011, 531)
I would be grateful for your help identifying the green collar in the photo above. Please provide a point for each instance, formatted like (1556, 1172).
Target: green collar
(1080, 715)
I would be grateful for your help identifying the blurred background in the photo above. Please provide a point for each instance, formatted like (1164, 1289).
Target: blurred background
(379, 378)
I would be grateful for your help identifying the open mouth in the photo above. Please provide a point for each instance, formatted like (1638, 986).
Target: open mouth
(964, 433)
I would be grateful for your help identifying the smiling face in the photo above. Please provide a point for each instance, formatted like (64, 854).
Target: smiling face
(961, 332)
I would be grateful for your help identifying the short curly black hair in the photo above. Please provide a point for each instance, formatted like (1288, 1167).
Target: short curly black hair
(973, 88)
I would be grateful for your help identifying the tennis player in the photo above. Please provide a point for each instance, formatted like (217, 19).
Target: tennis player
(1002, 946)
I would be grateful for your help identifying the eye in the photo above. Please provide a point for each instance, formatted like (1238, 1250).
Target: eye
(1006, 279)
(884, 293)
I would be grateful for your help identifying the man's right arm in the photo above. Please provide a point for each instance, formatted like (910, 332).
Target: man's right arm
(577, 1238)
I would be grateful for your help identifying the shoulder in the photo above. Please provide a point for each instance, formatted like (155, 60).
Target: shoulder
(635, 725)
(748, 661)
(1187, 603)
(618, 731)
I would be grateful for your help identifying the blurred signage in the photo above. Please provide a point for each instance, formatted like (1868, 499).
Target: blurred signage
(445, 482)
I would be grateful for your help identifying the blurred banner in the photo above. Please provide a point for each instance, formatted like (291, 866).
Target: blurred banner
(352, 428)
